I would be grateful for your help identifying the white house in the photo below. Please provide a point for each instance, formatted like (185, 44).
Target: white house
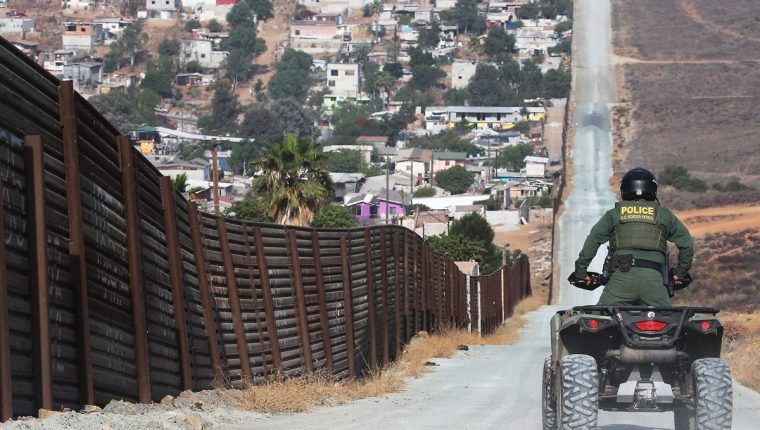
(81, 36)
(535, 167)
(203, 51)
(343, 79)
(112, 28)
(161, 9)
(16, 25)
(462, 72)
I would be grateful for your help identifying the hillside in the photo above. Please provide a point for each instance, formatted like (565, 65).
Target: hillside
(688, 93)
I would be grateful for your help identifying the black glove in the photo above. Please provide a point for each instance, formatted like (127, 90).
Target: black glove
(591, 285)
(683, 281)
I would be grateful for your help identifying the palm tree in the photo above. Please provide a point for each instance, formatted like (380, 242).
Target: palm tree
(179, 182)
(293, 185)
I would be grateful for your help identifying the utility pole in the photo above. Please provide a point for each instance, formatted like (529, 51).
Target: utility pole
(387, 185)
(215, 173)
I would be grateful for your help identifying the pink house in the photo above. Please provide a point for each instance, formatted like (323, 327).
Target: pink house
(369, 206)
(446, 160)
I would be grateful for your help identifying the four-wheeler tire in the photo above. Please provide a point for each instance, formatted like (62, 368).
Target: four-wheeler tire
(578, 392)
(712, 391)
(548, 401)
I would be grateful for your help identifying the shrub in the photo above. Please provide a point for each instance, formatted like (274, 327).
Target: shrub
(425, 192)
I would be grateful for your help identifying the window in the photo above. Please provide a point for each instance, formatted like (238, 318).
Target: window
(333, 73)
(330, 83)
(448, 162)
(350, 72)
(82, 29)
(203, 55)
(298, 32)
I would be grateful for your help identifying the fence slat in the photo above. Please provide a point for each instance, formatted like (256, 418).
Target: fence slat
(300, 302)
(396, 295)
(208, 307)
(237, 315)
(38, 263)
(68, 119)
(348, 306)
(268, 304)
(6, 393)
(371, 299)
(175, 277)
(384, 293)
(323, 317)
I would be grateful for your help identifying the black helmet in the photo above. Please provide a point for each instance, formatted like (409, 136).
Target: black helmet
(638, 183)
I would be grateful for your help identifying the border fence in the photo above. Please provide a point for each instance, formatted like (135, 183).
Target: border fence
(112, 285)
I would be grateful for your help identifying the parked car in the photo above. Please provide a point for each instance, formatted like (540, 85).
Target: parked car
(18, 13)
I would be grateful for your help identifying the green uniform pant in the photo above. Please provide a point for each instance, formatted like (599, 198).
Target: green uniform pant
(638, 286)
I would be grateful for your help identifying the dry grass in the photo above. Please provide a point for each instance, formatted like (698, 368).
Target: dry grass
(741, 346)
(303, 393)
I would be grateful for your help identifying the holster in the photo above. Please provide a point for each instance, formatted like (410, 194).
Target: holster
(624, 262)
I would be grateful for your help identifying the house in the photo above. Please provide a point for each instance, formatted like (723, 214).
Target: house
(84, 72)
(377, 205)
(447, 159)
(29, 48)
(439, 118)
(188, 79)
(444, 4)
(462, 72)
(112, 28)
(161, 9)
(81, 36)
(423, 15)
(196, 170)
(202, 51)
(343, 80)
(206, 10)
(317, 36)
(535, 167)
(75, 4)
(335, 17)
(346, 183)
(54, 61)
(376, 141)
(415, 162)
(330, 6)
(366, 150)
(16, 26)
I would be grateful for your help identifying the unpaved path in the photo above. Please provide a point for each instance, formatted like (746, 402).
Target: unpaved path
(724, 219)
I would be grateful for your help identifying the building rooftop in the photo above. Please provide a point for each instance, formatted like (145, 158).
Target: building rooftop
(449, 155)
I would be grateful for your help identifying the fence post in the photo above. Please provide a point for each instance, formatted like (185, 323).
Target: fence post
(416, 285)
(384, 292)
(396, 294)
(67, 107)
(348, 305)
(136, 288)
(424, 283)
(451, 278)
(6, 392)
(300, 302)
(322, 296)
(175, 278)
(38, 264)
(370, 299)
(235, 309)
(208, 307)
(407, 274)
(266, 290)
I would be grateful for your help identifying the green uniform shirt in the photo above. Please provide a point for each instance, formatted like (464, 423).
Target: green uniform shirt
(671, 226)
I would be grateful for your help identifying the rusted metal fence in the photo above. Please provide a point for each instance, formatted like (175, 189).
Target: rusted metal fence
(112, 285)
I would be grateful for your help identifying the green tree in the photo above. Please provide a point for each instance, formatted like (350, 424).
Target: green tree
(332, 216)
(193, 24)
(474, 227)
(681, 179)
(563, 47)
(429, 37)
(344, 161)
(466, 16)
(293, 185)
(158, 80)
(557, 83)
(513, 156)
(119, 109)
(394, 69)
(294, 118)
(521, 126)
(418, 57)
(261, 124)
(292, 78)
(224, 109)
(168, 48)
(425, 77)
(193, 67)
(240, 15)
(449, 140)
(263, 9)
(241, 156)
(127, 50)
(456, 180)
(530, 10)
(252, 209)
(563, 26)
(486, 88)
(498, 41)
(458, 248)
(531, 80)
(243, 47)
(424, 192)
(214, 26)
(179, 182)
(456, 96)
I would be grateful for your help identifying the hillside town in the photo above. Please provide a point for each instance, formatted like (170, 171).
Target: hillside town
(420, 112)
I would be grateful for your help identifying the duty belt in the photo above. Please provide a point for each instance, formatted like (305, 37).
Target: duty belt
(647, 264)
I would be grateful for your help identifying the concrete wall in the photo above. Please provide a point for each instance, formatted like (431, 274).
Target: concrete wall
(503, 217)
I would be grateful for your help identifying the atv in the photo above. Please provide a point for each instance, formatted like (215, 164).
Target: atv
(636, 358)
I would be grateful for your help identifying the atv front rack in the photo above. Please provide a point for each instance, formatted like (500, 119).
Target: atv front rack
(612, 310)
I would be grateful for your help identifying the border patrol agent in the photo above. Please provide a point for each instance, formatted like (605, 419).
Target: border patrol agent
(638, 230)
